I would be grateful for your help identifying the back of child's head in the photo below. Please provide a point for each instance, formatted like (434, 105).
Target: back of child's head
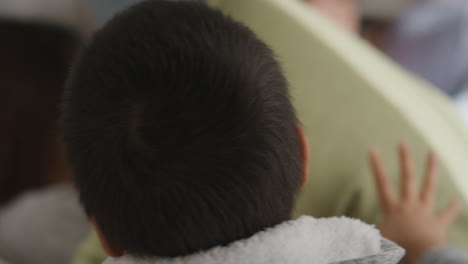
(180, 131)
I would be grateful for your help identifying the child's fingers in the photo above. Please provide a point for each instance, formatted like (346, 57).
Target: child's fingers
(385, 190)
(450, 213)
(407, 173)
(430, 180)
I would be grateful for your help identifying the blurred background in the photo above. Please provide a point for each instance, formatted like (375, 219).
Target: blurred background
(40, 218)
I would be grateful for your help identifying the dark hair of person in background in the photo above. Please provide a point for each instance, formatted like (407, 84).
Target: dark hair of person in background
(34, 63)
(180, 131)
(375, 30)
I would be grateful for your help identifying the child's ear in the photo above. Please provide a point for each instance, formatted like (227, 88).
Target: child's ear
(305, 152)
(110, 250)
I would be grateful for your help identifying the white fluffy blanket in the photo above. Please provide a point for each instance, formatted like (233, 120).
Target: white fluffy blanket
(303, 241)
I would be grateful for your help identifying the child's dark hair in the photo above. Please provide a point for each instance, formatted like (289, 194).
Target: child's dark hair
(180, 131)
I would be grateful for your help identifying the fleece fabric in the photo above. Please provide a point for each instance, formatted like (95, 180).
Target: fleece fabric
(306, 240)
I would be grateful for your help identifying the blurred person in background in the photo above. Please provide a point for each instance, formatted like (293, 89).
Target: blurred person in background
(428, 37)
(40, 219)
(344, 12)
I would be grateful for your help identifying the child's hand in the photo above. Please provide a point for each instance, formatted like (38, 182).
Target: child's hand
(409, 218)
